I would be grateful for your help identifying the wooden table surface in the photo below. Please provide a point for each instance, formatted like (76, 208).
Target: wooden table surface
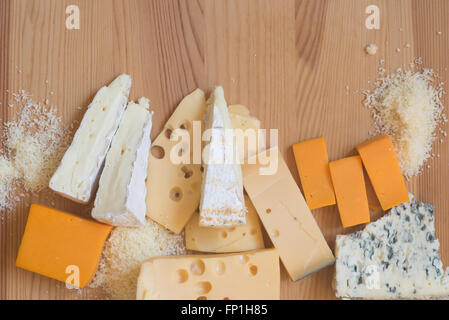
(299, 66)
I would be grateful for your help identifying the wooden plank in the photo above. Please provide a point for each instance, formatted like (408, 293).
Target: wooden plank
(299, 65)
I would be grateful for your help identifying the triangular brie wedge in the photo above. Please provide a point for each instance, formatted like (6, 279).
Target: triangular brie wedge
(121, 194)
(222, 202)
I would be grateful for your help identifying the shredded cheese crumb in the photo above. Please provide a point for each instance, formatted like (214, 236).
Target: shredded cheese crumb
(371, 49)
(33, 146)
(124, 252)
(406, 105)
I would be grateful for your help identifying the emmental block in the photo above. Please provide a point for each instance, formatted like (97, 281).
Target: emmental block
(350, 191)
(286, 216)
(240, 238)
(313, 167)
(239, 276)
(58, 244)
(382, 166)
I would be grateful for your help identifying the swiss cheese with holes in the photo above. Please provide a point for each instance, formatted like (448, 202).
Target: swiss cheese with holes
(173, 190)
(239, 276)
(244, 237)
(287, 218)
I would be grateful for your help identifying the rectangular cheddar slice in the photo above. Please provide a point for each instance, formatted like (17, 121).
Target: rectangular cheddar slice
(222, 203)
(174, 189)
(286, 217)
(61, 245)
(120, 199)
(381, 164)
(313, 168)
(252, 275)
(350, 191)
(240, 238)
(78, 172)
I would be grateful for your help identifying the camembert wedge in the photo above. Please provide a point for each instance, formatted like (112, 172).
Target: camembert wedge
(78, 172)
(121, 194)
(222, 202)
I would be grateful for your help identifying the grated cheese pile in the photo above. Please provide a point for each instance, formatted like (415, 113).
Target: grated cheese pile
(33, 146)
(124, 252)
(406, 105)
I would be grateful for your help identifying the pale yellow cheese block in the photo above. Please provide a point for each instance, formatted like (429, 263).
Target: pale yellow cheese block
(239, 109)
(247, 145)
(235, 239)
(287, 218)
(174, 190)
(252, 275)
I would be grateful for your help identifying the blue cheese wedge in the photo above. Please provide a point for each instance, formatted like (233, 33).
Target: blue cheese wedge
(78, 172)
(395, 257)
(121, 194)
(222, 202)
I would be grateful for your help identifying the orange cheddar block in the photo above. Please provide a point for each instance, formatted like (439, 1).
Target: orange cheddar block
(61, 245)
(313, 167)
(349, 185)
(382, 166)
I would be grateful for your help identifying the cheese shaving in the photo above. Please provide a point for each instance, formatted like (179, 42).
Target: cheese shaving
(33, 146)
(406, 105)
(124, 252)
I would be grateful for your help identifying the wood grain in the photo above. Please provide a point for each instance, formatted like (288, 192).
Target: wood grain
(298, 65)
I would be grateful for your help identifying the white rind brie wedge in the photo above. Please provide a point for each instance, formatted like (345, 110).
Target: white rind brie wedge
(78, 172)
(222, 202)
(121, 194)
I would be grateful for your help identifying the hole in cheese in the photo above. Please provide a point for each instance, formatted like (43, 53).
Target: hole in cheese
(226, 298)
(244, 259)
(201, 298)
(182, 275)
(221, 268)
(275, 233)
(253, 270)
(231, 229)
(168, 133)
(123, 152)
(197, 267)
(158, 152)
(104, 109)
(268, 211)
(253, 231)
(176, 194)
(224, 234)
(203, 287)
(185, 125)
(187, 172)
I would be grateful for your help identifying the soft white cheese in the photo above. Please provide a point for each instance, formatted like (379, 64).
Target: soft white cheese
(78, 172)
(395, 257)
(121, 194)
(222, 202)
